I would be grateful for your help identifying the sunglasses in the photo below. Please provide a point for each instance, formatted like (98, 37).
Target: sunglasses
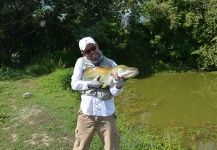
(88, 51)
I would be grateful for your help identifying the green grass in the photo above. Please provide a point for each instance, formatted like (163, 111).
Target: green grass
(47, 120)
(44, 121)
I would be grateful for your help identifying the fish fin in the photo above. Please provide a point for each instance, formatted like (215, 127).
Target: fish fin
(104, 86)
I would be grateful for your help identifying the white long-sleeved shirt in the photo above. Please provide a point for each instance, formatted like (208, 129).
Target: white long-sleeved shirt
(91, 105)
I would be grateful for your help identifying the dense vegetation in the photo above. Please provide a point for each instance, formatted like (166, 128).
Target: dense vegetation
(150, 34)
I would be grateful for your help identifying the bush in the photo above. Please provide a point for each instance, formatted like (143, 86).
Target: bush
(207, 57)
(41, 66)
(61, 78)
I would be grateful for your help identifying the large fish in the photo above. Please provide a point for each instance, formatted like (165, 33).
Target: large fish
(107, 73)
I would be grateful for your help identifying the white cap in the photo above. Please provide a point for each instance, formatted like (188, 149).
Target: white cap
(84, 42)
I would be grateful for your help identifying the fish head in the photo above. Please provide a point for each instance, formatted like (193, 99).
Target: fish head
(125, 71)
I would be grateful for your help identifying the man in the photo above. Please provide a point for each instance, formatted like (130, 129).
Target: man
(97, 113)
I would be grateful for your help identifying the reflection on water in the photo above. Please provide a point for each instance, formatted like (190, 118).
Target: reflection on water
(185, 99)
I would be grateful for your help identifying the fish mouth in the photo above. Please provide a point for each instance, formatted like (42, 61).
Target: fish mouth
(134, 69)
(130, 73)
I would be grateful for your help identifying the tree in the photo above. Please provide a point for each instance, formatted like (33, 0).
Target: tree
(205, 31)
(180, 29)
(54, 26)
(16, 23)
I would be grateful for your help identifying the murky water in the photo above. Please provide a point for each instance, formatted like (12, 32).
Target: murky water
(183, 99)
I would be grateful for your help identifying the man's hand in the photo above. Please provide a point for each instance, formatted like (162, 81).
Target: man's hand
(94, 83)
(118, 81)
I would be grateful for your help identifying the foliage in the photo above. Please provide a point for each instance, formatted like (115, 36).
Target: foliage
(61, 78)
(43, 64)
(17, 25)
(207, 56)
(13, 74)
(182, 28)
(204, 30)
(51, 26)
(139, 33)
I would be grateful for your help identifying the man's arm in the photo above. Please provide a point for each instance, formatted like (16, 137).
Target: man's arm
(76, 80)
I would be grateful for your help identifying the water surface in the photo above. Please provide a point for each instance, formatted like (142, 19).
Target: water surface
(183, 99)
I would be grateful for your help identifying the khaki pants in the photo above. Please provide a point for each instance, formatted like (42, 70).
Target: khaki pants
(106, 128)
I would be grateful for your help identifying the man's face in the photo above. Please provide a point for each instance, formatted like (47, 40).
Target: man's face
(91, 52)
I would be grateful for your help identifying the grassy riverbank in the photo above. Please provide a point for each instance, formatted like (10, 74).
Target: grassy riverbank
(47, 119)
